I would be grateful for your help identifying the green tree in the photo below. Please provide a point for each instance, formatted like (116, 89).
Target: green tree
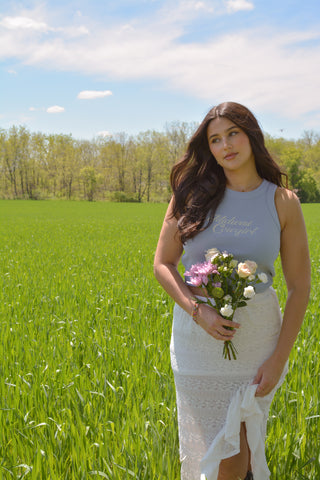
(301, 179)
(36, 165)
(89, 179)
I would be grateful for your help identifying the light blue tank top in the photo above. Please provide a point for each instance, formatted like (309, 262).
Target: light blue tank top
(245, 224)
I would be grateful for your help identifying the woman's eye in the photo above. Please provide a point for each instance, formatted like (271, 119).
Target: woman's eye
(215, 140)
(234, 132)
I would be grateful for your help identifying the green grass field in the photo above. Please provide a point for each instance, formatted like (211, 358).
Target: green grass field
(86, 389)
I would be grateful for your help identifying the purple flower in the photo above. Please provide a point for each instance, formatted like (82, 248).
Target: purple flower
(199, 273)
(196, 281)
(204, 279)
(205, 268)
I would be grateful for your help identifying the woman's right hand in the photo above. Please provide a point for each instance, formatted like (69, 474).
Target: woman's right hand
(210, 320)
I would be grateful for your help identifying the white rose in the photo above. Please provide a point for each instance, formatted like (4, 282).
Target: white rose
(227, 298)
(249, 292)
(226, 311)
(211, 254)
(250, 278)
(263, 277)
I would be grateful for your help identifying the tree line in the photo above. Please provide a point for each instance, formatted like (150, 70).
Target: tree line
(127, 168)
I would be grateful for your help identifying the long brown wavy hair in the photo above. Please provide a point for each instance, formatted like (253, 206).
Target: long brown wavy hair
(198, 181)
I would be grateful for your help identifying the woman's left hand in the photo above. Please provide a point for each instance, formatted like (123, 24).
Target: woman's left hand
(268, 376)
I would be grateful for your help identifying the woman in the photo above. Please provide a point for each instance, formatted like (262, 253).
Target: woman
(228, 194)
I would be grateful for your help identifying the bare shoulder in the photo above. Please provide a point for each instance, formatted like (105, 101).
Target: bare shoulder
(288, 206)
(169, 216)
(169, 248)
(169, 229)
(284, 195)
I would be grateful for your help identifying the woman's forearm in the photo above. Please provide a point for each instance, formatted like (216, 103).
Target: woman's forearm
(170, 279)
(294, 312)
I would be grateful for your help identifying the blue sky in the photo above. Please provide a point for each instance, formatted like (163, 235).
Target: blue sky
(90, 67)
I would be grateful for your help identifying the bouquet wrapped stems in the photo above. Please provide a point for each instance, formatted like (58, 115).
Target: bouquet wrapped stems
(229, 350)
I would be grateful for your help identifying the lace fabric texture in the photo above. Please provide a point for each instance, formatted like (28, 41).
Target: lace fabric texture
(207, 385)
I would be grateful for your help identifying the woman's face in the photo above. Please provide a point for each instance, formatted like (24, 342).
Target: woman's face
(229, 145)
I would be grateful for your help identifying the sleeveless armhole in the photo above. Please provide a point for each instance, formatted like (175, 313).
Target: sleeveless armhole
(271, 204)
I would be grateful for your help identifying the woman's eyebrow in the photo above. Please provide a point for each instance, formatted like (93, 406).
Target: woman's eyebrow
(228, 129)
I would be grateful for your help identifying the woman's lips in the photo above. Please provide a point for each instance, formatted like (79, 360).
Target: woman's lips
(230, 156)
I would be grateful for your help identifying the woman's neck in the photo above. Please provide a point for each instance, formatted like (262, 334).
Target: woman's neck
(245, 183)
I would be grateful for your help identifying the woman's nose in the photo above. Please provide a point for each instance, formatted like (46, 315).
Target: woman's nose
(225, 143)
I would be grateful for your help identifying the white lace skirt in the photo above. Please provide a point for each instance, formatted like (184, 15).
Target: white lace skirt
(215, 395)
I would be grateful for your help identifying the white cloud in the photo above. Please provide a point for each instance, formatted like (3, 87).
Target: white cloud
(195, 5)
(55, 109)
(238, 5)
(73, 31)
(183, 11)
(263, 68)
(23, 23)
(40, 109)
(27, 24)
(262, 72)
(104, 133)
(93, 94)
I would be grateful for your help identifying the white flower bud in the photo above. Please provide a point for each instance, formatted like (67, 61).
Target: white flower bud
(226, 311)
(211, 254)
(263, 277)
(249, 292)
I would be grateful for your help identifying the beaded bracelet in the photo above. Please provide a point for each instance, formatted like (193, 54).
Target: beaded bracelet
(195, 310)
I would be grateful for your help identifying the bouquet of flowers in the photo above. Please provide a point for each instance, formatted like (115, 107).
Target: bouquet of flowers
(229, 283)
